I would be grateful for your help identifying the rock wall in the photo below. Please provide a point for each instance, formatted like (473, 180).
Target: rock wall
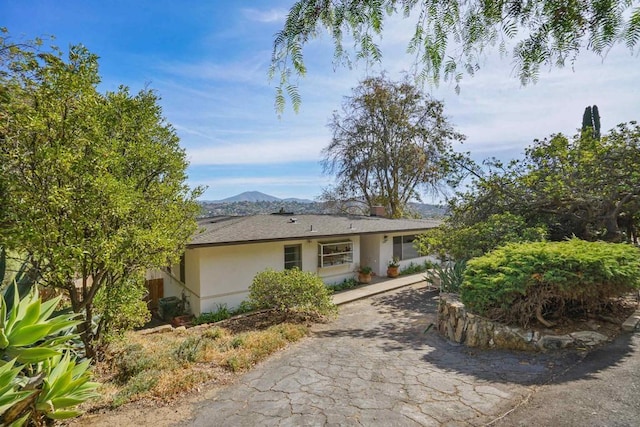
(456, 324)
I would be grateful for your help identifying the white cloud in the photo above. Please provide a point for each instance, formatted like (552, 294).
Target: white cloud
(258, 152)
(265, 16)
(252, 69)
(263, 181)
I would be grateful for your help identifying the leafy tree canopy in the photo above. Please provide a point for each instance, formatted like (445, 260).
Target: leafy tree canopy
(390, 140)
(449, 38)
(580, 186)
(94, 184)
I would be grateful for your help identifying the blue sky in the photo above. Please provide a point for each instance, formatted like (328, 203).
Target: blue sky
(208, 61)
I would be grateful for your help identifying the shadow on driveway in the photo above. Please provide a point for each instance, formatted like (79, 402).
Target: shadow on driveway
(405, 320)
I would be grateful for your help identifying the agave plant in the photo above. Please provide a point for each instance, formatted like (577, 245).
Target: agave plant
(46, 381)
(28, 323)
(65, 385)
(448, 277)
(24, 279)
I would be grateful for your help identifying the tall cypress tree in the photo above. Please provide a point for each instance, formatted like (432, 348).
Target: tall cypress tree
(587, 119)
(596, 121)
(591, 120)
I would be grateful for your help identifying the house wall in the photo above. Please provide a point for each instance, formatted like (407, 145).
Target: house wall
(222, 274)
(386, 252)
(376, 252)
(371, 247)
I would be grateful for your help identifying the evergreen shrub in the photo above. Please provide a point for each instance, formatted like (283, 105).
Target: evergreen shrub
(520, 282)
(291, 290)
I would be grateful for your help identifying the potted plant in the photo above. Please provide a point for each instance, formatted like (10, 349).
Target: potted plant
(392, 267)
(364, 274)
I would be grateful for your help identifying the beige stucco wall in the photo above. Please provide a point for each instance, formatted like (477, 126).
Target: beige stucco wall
(370, 247)
(223, 274)
(378, 251)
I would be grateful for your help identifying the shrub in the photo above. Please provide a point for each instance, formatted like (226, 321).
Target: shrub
(521, 281)
(344, 285)
(131, 361)
(414, 268)
(188, 349)
(139, 384)
(448, 277)
(222, 313)
(291, 290)
(452, 240)
(120, 307)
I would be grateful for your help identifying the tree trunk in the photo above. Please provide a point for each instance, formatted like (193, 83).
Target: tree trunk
(613, 231)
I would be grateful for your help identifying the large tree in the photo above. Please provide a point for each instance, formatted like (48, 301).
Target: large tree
(93, 184)
(580, 186)
(390, 141)
(449, 37)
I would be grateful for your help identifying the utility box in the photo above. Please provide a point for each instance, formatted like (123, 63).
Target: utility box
(169, 307)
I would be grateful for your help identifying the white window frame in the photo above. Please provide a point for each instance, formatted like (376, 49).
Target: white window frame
(331, 254)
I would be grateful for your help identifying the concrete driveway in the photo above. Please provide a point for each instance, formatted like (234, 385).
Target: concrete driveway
(375, 365)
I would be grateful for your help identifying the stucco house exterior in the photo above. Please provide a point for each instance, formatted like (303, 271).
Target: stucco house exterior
(228, 251)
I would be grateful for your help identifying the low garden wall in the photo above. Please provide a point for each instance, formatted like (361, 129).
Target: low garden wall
(460, 326)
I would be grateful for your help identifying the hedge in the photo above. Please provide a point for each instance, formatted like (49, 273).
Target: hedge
(523, 281)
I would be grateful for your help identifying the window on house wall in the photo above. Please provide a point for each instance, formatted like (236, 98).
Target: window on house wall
(293, 256)
(335, 253)
(403, 247)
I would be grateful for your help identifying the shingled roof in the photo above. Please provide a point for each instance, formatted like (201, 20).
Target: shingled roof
(230, 230)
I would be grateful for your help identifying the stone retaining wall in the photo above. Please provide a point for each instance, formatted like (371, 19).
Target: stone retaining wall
(456, 324)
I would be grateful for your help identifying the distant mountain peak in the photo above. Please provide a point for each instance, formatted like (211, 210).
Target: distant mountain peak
(250, 196)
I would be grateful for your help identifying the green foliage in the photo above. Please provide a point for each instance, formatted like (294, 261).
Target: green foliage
(24, 276)
(591, 122)
(291, 290)
(344, 285)
(66, 384)
(104, 196)
(448, 277)
(133, 360)
(413, 268)
(390, 141)
(523, 281)
(450, 37)
(28, 333)
(365, 269)
(223, 313)
(47, 383)
(141, 383)
(578, 186)
(455, 240)
(120, 307)
(188, 349)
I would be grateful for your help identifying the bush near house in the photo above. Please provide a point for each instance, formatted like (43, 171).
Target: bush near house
(524, 281)
(414, 268)
(291, 290)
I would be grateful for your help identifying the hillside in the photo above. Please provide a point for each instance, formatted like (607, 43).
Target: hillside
(255, 202)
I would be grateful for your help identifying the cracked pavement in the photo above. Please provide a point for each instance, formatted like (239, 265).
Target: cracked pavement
(376, 365)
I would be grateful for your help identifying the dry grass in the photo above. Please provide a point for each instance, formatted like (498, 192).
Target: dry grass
(163, 366)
